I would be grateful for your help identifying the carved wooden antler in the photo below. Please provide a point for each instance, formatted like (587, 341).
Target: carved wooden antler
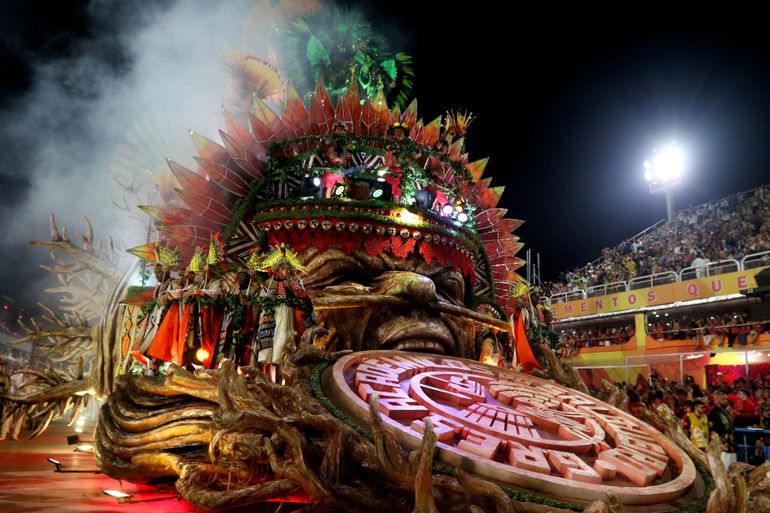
(49, 394)
(87, 273)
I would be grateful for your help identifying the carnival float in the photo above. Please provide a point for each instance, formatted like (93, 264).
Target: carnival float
(337, 323)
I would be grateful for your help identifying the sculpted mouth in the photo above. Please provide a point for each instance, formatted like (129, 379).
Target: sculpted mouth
(416, 336)
(422, 345)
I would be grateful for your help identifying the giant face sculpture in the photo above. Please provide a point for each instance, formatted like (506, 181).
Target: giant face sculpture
(384, 302)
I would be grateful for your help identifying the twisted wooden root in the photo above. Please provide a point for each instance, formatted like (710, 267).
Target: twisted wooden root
(232, 443)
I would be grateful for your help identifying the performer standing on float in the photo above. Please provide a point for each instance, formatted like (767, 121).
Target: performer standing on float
(394, 158)
(281, 293)
(210, 305)
(236, 332)
(521, 327)
(165, 259)
(171, 340)
(336, 155)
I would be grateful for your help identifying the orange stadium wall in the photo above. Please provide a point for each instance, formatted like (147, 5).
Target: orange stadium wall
(698, 288)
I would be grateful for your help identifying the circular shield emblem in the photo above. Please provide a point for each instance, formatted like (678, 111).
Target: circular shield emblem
(514, 428)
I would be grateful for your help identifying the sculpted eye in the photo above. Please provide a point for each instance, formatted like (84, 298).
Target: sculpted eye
(450, 286)
(350, 282)
(347, 286)
(339, 272)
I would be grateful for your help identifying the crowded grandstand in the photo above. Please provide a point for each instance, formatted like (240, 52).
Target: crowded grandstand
(679, 314)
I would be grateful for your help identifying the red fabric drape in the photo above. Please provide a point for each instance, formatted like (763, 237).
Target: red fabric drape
(524, 355)
(169, 342)
(211, 324)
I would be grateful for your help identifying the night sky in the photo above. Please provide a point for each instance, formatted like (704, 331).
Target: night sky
(568, 105)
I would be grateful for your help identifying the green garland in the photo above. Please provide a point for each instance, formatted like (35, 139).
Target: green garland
(233, 304)
(708, 486)
(519, 495)
(545, 333)
(412, 177)
(315, 384)
(134, 290)
(148, 307)
(269, 305)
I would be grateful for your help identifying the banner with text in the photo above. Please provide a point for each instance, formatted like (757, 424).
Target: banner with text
(699, 288)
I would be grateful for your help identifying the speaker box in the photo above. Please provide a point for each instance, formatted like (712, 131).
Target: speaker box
(763, 278)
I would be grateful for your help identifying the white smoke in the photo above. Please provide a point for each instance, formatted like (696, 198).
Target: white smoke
(124, 98)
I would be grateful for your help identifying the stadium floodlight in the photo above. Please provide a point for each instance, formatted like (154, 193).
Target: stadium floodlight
(664, 172)
(666, 166)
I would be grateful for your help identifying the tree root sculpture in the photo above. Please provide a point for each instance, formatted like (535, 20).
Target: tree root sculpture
(230, 443)
(738, 489)
(672, 428)
(559, 371)
(611, 394)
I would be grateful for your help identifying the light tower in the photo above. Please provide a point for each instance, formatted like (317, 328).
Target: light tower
(663, 173)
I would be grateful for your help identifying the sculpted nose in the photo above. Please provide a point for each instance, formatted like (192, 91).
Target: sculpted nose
(413, 287)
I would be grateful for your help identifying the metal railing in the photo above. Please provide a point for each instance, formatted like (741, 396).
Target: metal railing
(563, 297)
(751, 261)
(710, 269)
(607, 288)
(755, 260)
(629, 240)
(652, 280)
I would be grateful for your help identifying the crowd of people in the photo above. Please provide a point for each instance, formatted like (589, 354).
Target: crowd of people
(572, 341)
(729, 228)
(719, 330)
(732, 329)
(720, 408)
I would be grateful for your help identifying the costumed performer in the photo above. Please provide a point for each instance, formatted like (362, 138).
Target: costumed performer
(209, 303)
(282, 291)
(171, 340)
(165, 258)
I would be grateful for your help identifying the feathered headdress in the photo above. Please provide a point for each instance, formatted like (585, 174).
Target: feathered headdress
(281, 254)
(519, 290)
(220, 199)
(254, 263)
(197, 261)
(166, 256)
(216, 252)
(403, 125)
(457, 123)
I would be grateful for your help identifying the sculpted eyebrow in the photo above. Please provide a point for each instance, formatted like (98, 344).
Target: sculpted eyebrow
(331, 268)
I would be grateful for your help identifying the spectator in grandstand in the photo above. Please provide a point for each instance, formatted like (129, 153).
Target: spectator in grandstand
(745, 412)
(572, 341)
(757, 455)
(630, 266)
(633, 402)
(721, 421)
(696, 425)
(765, 420)
(726, 229)
(754, 332)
